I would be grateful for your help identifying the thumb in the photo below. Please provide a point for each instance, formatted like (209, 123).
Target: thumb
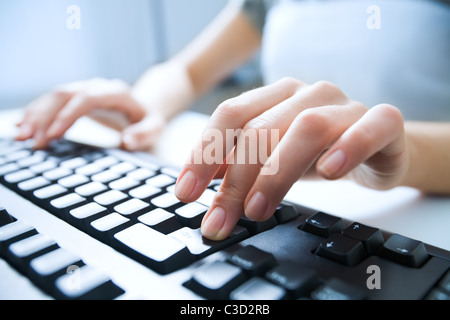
(144, 134)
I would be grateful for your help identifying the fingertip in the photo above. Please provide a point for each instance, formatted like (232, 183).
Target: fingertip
(129, 142)
(256, 208)
(331, 164)
(213, 223)
(56, 130)
(25, 132)
(40, 140)
(185, 186)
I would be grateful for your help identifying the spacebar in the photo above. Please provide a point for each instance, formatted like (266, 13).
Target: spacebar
(155, 250)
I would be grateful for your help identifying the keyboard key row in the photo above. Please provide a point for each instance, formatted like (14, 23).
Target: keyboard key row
(353, 244)
(253, 274)
(55, 270)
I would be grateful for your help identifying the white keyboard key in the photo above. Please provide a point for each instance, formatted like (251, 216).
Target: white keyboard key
(149, 242)
(109, 222)
(144, 191)
(20, 175)
(67, 201)
(73, 163)
(53, 261)
(33, 184)
(80, 281)
(124, 183)
(160, 181)
(90, 189)
(30, 245)
(123, 167)
(166, 200)
(57, 173)
(160, 252)
(141, 174)
(87, 211)
(207, 197)
(110, 197)
(73, 181)
(131, 206)
(49, 192)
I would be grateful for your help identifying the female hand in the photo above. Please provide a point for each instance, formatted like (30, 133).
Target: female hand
(317, 125)
(49, 116)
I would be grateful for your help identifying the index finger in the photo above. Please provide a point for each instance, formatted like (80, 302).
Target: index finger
(202, 165)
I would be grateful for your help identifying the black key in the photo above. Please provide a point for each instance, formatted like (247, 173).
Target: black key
(296, 279)
(13, 232)
(255, 227)
(253, 261)
(216, 280)
(437, 294)
(323, 224)
(258, 289)
(371, 238)
(159, 252)
(5, 218)
(444, 284)
(405, 251)
(285, 213)
(85, 283)
(335, 289)
(341, 249)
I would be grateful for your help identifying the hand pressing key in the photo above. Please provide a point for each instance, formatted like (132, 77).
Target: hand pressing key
(317, 125)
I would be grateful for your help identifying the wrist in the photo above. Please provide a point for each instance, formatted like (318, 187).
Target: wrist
(164, 90)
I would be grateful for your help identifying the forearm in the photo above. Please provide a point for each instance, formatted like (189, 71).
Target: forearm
(429, 157)
(165, 89)
(225, 44)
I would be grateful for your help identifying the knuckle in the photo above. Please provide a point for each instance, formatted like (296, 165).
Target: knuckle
(231, 108)
(61, 93)
(362, 137)
(313, 121)
(257, 124)
(390, 112)
(328, 88)
(291, 83)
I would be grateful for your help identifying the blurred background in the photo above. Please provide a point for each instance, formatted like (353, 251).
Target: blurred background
(116, 39)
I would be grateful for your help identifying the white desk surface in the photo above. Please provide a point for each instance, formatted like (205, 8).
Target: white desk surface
(401, 210)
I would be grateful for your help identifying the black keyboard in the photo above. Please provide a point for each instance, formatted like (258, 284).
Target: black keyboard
(126, 202)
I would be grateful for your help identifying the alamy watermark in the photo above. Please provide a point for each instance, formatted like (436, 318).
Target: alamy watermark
(373, 22)
(249, 146)
(374, 280)
(73, 22)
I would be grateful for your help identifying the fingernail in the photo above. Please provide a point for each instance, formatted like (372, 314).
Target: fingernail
(333, 163)
(214, 223)
(25, 131)
(40, 140)
(256, 207)
(185, 186)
